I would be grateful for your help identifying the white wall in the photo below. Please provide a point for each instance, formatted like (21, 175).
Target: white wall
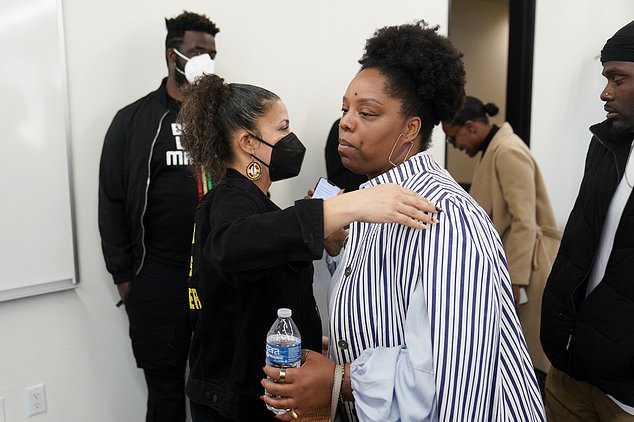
(567, 81)
(76, 342)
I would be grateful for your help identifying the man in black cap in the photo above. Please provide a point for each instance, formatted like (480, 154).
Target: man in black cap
(587, 327)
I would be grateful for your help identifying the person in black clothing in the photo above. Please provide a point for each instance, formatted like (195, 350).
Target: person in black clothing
(147, 196)
(335, 170)
(587, 326)
(250, 257)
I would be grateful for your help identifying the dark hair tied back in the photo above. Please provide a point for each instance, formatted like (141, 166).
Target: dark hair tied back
(474, 109)
(212, 111)
(491, 109)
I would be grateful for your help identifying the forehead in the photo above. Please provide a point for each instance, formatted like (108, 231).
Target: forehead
(369, 83)
(200, 40)
(614, 67)
(275, 114)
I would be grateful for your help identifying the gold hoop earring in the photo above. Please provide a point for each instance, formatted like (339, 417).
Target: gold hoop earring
(394, 147)
(411, 145)
(254, 170)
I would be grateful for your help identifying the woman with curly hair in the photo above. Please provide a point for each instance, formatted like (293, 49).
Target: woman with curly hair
(249, 257)
(422, 324)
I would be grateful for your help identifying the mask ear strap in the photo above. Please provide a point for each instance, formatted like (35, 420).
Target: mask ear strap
(176, 64)
(261, 140)
(181, 55)
(253, 156)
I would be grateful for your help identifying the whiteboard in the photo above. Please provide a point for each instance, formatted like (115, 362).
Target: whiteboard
(37, 253)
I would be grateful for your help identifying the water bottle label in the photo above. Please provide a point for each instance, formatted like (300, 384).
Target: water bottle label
(283, 355)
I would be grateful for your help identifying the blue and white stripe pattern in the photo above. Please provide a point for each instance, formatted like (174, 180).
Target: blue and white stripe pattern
(482, 368)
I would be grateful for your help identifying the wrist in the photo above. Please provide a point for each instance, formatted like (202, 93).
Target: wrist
(346, 384)
(338, 212)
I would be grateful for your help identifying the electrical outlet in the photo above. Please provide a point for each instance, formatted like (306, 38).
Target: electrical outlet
(35, 399)
(2, 415)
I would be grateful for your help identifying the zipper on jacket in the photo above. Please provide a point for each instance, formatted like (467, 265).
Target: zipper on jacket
(147, 188)
(569, 339)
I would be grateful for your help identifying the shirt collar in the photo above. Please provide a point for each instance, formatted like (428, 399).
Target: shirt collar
(487, 140)
(419, 163)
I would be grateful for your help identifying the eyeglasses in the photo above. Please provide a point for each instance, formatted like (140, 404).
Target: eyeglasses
(451, 139)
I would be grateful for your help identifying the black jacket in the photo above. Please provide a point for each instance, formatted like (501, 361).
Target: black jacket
(124, 181)
(249, 259)
(592, 339)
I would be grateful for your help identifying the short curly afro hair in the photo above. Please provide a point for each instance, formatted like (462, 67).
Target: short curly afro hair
(187, 21)
(423, 70)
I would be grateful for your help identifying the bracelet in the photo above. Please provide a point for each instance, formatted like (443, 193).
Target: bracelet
(336, 389)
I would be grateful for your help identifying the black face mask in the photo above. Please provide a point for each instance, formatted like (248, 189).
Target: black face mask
(286, 158)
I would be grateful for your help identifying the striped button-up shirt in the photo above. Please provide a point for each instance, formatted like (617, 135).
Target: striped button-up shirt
(426, 317)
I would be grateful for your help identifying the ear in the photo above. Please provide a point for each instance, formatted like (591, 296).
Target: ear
(170, 56)
(412, 127)
(246, 143)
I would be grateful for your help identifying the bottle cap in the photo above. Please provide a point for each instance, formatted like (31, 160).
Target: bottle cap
(284, 313)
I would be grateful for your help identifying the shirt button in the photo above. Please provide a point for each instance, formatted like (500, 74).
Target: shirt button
(347, 271)
(214, 398)
(208, 395)
(342, 344)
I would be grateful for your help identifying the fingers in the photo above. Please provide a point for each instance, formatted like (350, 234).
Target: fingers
(416, 211)
(278, 402)
(276, 374)
(420, 202)
(417, 215)
(291, 415)
(411, 222)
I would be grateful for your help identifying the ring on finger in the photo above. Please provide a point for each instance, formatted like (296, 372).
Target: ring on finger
(282, 377)
(294, 414)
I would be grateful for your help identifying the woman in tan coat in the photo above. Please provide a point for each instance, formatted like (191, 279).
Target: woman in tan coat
(507, 183)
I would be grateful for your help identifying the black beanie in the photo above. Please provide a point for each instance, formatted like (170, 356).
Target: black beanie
(620, 47)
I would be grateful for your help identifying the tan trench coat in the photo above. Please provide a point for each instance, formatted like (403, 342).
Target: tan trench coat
(507, 183)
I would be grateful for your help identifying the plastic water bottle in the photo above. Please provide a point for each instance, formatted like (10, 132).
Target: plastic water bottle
(283, 346)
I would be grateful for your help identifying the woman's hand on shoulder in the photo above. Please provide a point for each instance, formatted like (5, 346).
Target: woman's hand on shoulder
(386, 203)
(391, 203)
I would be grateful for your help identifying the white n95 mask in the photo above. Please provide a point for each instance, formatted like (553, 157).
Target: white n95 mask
(196, 66)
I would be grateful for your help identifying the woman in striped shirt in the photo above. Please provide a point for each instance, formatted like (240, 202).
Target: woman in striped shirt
(423, 326)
